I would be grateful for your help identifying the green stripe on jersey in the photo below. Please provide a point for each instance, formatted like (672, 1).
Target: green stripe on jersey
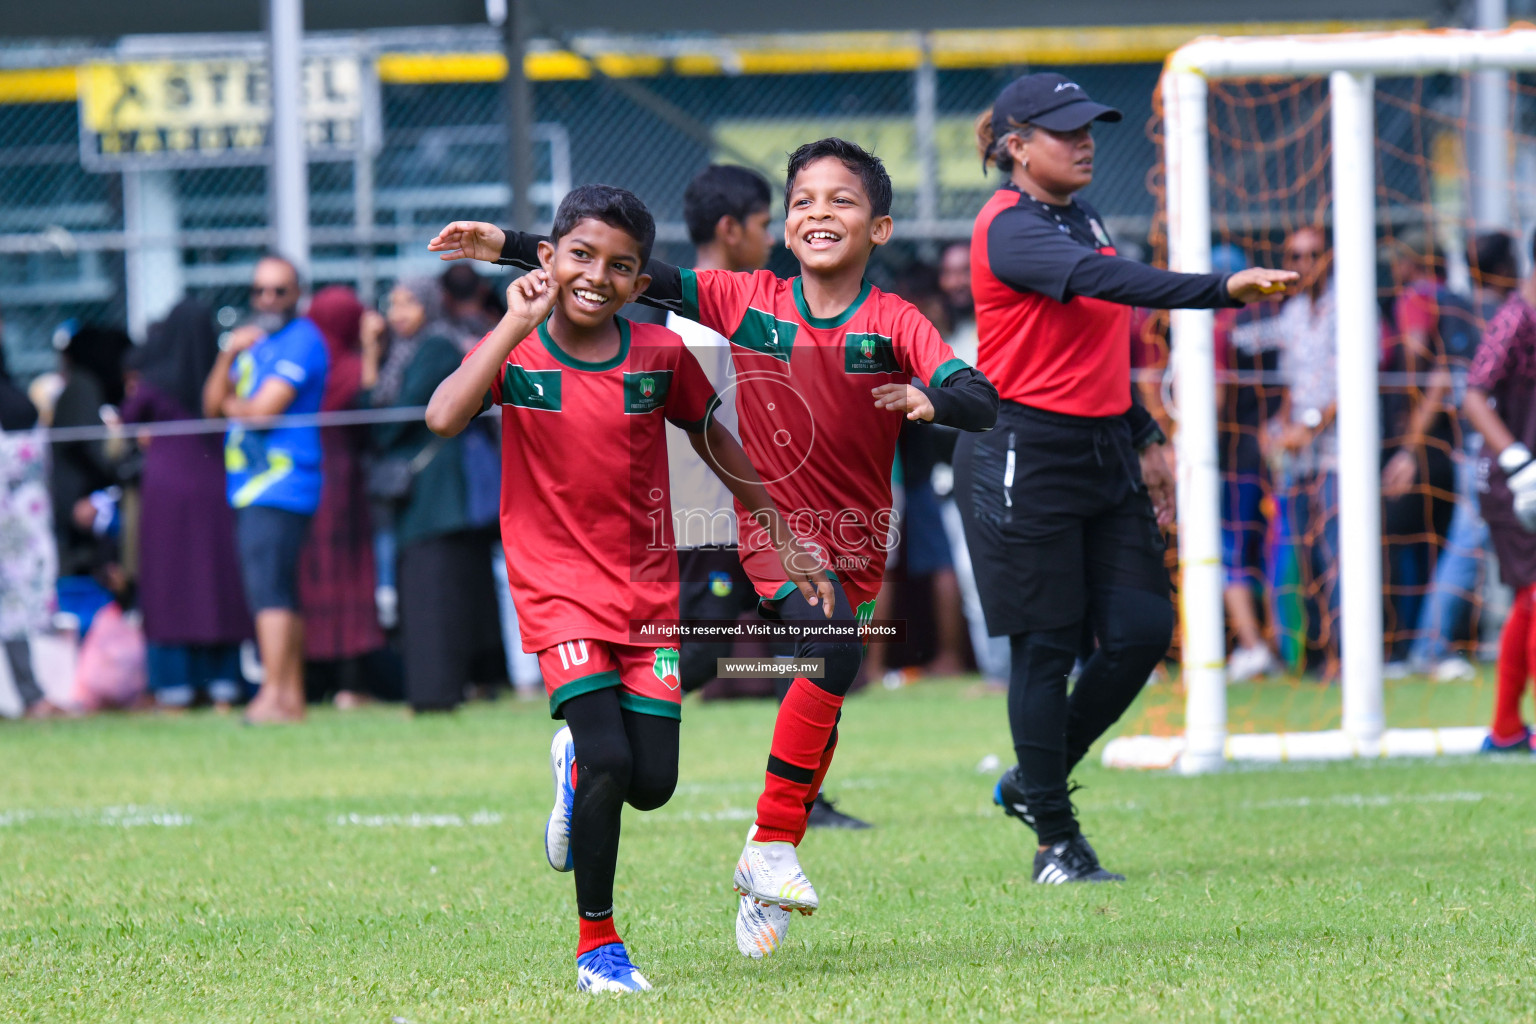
(701, 425)
(945, 370)
(827, 323)
(763, 332)
(530, 389)
(690, 310)
(562, 356)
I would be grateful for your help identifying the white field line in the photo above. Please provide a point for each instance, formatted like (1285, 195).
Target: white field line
(478, 819)
(1368, 800)
(125, 816)
(134, 816)
(1357, 800)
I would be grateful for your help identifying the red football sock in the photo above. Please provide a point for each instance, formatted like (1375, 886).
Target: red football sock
(816, 781)
(807, 716)
(596, 933)
(1514, 667)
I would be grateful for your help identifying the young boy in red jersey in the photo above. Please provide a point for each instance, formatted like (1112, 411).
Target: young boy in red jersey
(586, 524)
(823, 363)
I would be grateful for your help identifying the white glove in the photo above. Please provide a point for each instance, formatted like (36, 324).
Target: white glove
(1520, 474)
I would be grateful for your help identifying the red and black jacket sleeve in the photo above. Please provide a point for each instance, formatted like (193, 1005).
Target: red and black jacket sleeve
(1056, 254)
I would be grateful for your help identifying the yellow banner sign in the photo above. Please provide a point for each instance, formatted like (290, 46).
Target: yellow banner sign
(186, 113)
(765, 143)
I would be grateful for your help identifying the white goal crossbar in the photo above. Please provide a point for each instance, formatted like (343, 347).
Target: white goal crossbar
(1351, 62)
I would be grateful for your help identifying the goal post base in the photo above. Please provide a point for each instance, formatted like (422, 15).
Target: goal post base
(1167, 752)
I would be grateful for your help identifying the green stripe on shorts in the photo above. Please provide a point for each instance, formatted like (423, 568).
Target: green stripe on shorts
(650, 706)
(577, 687)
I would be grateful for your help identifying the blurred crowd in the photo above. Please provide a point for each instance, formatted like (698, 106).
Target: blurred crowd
(286, 564)
(144, 568)
(1279, 460)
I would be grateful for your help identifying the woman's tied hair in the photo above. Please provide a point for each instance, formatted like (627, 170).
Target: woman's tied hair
(994, 150)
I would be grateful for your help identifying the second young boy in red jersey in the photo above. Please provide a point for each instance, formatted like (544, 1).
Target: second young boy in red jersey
(824, 364)
(583, 398)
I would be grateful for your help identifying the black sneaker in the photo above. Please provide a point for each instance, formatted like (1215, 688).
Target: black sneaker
(1009, 795)
(1071, 860)
(824, 814)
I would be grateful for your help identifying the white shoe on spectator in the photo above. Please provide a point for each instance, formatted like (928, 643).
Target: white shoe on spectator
(1246, 663)
(1455, 670)
(1396, 670)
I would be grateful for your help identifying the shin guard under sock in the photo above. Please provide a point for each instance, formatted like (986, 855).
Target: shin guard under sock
(817, 780)
(801, 747)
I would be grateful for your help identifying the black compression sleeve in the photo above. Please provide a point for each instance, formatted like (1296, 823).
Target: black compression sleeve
(666, 288)
(521, 250)
(665, 291)
(1116, 279)
(966, 400)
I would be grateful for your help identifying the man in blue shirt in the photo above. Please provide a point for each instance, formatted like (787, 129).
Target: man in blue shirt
(273, 366)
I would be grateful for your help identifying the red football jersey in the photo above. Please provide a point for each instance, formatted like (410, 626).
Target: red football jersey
(585, 506)
(806, 416)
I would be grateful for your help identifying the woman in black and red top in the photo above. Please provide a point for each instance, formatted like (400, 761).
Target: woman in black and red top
(1064, 501)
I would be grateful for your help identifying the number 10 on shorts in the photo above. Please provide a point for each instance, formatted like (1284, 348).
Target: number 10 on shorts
(572, 653)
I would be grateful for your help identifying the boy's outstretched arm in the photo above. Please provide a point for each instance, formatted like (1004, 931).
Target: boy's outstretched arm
(721, 452)
(478, 240)
(965, 400)
(461, 395)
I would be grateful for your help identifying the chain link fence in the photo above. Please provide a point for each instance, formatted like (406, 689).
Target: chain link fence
(117, 238)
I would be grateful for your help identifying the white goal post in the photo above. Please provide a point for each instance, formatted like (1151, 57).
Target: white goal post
(1351, 62)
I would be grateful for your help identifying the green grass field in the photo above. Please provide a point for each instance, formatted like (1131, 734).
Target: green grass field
(367, 867)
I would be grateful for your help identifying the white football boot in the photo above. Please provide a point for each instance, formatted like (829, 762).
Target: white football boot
(760, 927)
(770, 873)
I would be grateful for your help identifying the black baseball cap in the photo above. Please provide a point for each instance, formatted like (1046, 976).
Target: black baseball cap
(1049, 100)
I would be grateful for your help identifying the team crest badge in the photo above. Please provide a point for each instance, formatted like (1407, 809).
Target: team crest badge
(863, 615)
(647, 386)
(720, 584)
(867, 347)
(1098, 231)
(665, 666)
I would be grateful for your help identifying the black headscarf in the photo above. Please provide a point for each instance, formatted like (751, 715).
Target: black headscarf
(100, 351)
(180, 354)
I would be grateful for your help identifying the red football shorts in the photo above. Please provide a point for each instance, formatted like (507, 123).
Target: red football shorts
(646, 677)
